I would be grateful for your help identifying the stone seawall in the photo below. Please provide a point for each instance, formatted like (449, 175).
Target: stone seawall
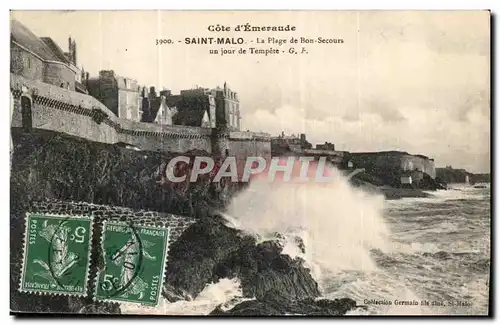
(80, 115)
(248, 144)
(61, 110)
(389, 166)
(177, 224)
(58, 174)
(416, 162)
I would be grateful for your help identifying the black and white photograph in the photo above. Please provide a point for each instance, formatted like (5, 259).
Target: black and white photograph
(250, 163)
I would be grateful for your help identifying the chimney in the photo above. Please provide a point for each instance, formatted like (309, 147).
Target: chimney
(72, 50)
(74, 53)
(152, 92)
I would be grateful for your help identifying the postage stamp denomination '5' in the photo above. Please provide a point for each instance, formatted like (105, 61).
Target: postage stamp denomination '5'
(134, 263)
(56, 254)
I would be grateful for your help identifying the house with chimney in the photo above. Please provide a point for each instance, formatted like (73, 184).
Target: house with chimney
(41, 59)
(120, 94)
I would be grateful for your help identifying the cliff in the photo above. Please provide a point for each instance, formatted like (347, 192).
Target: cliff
(372, 184)
(388, 167)
(50, 167)
(449, 175)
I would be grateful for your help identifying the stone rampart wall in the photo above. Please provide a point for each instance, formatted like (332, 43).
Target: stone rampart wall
(80, 115)
(177, 224)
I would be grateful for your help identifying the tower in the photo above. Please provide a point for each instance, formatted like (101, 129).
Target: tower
(220, 134)
(227, 108)
(72, 50)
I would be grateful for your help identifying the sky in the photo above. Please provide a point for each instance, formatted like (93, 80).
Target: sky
(415, 81)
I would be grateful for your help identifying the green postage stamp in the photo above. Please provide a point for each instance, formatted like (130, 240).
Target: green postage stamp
(56, 254)
(134, 263)
(57, 258)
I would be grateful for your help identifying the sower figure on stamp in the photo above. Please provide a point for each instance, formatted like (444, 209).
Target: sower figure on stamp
(62, 259)
(128, 258)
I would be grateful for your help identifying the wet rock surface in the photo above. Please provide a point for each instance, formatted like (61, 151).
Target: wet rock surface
(273, 304)
(64, 175)
(209, 251)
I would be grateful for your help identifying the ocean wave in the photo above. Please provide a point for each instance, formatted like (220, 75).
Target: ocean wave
(337, 223)
(363, 247)
(225, 293)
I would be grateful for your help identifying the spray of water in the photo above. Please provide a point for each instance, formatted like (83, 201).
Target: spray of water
(340, 226)
(226, 293)
(338, 223)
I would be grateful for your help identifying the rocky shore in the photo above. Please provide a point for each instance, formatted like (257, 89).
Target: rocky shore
(50, 166)
(390, 193)
(210, 251)
(276, 305)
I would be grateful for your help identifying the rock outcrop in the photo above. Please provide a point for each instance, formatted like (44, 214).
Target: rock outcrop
(60, 169)
(209, 251)
(54, 166)
(272, 304)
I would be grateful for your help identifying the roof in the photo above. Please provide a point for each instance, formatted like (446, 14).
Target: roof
(80, 87)
(164, 114)
(189, 117)
(190, 110)
(151, 112)
(23, 36)
(55, 49)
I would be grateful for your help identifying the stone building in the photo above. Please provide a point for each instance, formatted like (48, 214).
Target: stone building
(121, 95)
(286, 145)
(150, 103)
(164, 114)
(228, 107)
(394, 167)
(283, 144)
(205, 121)
(199, 107)
(42, 59)
(326, 146)
(196, 107)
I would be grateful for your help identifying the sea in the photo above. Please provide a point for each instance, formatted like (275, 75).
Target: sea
(412, 256)
(438, 262)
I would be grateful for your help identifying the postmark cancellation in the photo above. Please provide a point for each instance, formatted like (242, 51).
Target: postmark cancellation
(134, 263)
(57, 258)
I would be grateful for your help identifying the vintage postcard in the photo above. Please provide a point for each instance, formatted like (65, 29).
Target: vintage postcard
(256, 163)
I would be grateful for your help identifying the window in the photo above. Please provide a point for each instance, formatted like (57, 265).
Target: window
(27, 62)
